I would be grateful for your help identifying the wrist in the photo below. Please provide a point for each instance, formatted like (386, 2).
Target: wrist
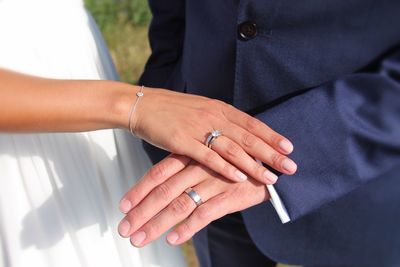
(129, 107)
(134, 113)
(123, 97)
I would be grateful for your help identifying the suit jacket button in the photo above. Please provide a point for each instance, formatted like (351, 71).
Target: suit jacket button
(247, 30)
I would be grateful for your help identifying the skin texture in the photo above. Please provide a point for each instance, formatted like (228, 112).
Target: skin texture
(173, 121)
(186, 120)
(33, 104)
(158, 202)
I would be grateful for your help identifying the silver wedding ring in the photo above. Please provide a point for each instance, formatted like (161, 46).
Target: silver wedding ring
(194, 196)
(212, 137)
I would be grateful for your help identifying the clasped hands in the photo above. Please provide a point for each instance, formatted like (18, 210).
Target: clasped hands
(227, 177)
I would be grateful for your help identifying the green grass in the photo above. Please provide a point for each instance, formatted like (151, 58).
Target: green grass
(124, 24)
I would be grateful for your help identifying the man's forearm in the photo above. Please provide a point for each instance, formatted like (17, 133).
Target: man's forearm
(346, 133)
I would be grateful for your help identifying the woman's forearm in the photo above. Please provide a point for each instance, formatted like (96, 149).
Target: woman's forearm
(32, 104)
(179, 123)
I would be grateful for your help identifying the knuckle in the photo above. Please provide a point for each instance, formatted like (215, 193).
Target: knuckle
(276, 159)
(252, 124)
(222, 106)
(249, 140)
(203, 213)
(275, 138)
(135, 218)
(258, 170)
(185, 229)
(157, 172)
(228, 197)
(152, 230)
(232, 150)
(162, 191)
(210, 157)
(215, 103)
(227, 109)
(180, 206)
(227, 168)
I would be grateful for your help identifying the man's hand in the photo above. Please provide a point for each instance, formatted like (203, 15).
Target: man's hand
(159, 202)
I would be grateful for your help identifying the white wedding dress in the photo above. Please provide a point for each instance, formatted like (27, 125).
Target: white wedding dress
(59, 193)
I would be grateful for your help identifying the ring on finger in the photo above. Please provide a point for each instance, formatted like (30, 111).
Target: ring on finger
(212, 137)
(194, 196)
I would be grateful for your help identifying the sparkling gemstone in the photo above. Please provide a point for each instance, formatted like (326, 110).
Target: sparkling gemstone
(139, 94)
(216, 133)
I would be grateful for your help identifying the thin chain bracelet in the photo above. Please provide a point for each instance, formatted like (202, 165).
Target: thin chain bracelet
(138, 96)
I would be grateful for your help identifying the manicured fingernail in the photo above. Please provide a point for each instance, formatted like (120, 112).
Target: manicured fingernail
(124, 227)
(138, 238)
(286, 146)
(289, 165)
(172, 237)
(270, 177)
(241, 176)
(125, 205)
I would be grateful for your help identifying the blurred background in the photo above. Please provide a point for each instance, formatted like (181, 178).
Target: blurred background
(124, 24)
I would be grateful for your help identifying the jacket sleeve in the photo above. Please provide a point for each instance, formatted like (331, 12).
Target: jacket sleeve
(166, 35)
(346, 133)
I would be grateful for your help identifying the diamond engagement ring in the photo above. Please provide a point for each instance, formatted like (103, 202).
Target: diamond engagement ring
(194, 196)
(211, 138)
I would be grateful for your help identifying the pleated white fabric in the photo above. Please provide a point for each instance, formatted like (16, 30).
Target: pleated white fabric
(59, 193)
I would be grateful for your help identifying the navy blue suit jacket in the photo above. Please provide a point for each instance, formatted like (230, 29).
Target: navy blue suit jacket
(326, 74)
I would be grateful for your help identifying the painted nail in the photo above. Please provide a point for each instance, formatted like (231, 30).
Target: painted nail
(172, 237)
(124, 228)
(270, 177)
(240, 175)
(125, 205)
(286, 146)
(289, 165)
(138, 238)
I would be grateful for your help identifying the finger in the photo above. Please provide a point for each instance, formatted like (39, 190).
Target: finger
(209, 158)
(176, 212)
(211, 210)
(160, 197)
(239, 197)
(258, 128)
(235, 154)
(258, 149)
(154, 177)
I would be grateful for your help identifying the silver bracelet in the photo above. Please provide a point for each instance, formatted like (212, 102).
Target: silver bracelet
(138, 96)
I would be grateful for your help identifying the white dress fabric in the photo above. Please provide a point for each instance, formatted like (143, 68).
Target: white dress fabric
(59, 193)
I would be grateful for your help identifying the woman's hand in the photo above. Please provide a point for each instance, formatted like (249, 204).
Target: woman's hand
(180, 123)
(158, 203)
(174, 121)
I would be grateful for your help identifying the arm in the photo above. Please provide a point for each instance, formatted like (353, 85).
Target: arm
(173, 121)
(346, 132)
(31, 104)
